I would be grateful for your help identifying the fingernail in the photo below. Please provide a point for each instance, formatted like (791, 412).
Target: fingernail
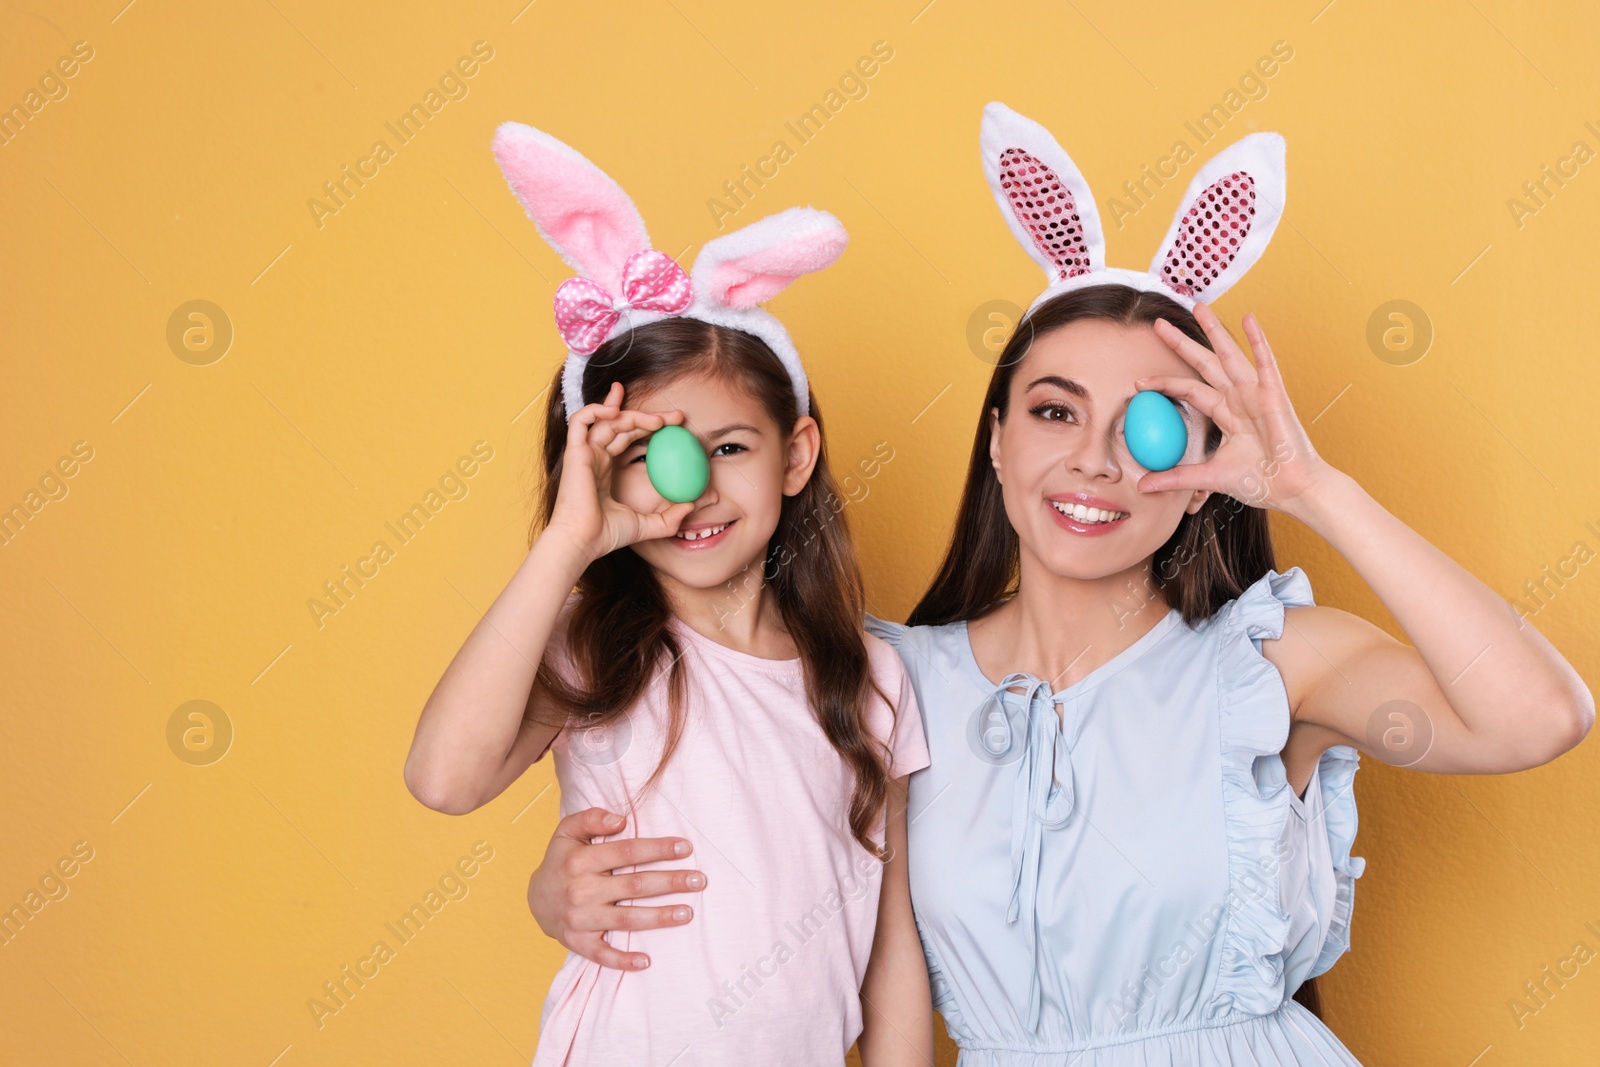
(615, 820)
(680, 915)
(696, 881)
(680, 848)
(641, 962)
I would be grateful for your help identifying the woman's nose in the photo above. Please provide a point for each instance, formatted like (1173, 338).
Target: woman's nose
(1096, 453)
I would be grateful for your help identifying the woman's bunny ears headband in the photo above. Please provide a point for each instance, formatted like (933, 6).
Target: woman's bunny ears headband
(624, 283)
(1223, 224)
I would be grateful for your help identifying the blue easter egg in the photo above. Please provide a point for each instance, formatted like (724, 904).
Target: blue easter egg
(1155, 431)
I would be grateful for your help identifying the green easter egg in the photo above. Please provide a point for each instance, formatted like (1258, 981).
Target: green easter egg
(677, 465)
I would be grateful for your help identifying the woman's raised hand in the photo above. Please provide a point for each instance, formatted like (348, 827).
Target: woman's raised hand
(1266, 458)
(585, 509)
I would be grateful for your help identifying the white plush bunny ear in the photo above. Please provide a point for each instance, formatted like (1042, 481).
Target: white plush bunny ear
(750, 266)
(579, 210)
(1226, 218)
(1043, 196)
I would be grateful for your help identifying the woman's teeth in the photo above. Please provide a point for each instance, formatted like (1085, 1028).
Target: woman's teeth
(701, 535)
(1079, 513)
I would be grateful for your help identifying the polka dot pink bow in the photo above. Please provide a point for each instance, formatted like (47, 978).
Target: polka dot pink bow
(651, 281)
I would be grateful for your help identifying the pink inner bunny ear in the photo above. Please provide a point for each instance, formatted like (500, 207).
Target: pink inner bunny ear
(1210, 235)
(579, 210)
(750, 266)
(1042, 195)
(1227, 216)
(1046, 209)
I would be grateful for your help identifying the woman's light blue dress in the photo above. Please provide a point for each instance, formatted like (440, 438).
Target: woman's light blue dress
(1132, 881)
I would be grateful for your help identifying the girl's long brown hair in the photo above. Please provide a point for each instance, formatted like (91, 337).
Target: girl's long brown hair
(1213, 555)
(617, 633)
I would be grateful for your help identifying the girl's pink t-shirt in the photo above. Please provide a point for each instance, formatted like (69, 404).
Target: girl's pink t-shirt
(769, 970)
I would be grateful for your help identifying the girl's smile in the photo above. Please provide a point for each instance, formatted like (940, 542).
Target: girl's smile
(698, 537)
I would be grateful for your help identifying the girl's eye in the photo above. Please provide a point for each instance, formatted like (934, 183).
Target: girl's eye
(1052, 412)
(735, 448)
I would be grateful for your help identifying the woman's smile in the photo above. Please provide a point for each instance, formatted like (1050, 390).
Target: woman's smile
(1081, 519)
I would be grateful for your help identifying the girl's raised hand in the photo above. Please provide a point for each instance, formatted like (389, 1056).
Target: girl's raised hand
(1266, 458)
(585, 509)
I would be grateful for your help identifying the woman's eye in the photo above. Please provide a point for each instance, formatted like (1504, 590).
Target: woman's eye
(731, 448)
(1053, 412)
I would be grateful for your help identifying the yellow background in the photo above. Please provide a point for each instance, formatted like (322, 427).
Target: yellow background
(372, 351)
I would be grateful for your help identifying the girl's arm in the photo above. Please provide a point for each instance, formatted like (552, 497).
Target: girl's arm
(1481, 692)
(485, 722)
(896, 1001)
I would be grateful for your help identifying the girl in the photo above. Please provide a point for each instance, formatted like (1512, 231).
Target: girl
(1132, 845)
(709, 674)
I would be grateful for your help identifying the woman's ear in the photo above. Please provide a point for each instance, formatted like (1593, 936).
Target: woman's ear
(805, 446)
(1198, 500)
(994, 443)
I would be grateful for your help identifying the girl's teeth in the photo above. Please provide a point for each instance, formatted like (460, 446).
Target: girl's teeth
(1079, 513)
(701, 535)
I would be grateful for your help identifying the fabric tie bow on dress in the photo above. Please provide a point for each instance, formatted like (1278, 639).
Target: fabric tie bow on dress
(1044, 797)
(651, 281)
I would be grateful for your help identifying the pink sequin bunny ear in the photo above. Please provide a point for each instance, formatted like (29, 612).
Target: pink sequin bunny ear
(578, 208)
(1043, 197)
(1227, 216)
(752, 265)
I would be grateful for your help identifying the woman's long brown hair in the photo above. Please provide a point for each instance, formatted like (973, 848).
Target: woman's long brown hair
(617, 633)
(1214, 555)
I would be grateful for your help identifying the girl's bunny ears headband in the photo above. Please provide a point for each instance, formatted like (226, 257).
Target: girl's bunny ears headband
(1223, 224)
(624, 283)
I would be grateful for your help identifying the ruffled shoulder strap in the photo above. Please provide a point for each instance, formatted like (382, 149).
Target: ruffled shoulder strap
(1337, 771)
(1259, 614)
(1253, 726)
(1258, 611)
(892, 632)
(1255, 705)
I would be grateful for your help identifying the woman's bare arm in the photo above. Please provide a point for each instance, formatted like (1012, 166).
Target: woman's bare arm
(896, 1000)
(1491, 692)
(1481, 692)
